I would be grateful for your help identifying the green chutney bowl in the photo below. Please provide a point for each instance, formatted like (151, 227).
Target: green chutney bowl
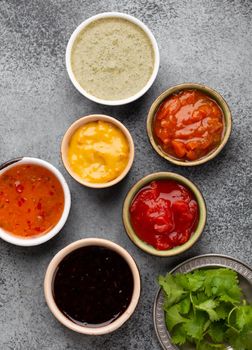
(145, 246)
(174, 90)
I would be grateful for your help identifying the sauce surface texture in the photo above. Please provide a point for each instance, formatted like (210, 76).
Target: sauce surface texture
(98, 152)
(31, 200)
(189, 125)
(112, 58)
(93, 286)
(164, 214)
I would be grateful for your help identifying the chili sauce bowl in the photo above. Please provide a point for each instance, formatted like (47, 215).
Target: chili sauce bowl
(216, 97)
(113, 66)
(202, 214)
(67, 140)
(43, 237)
(51, 295)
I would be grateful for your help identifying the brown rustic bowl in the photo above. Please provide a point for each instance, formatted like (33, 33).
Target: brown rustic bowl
(212, 94)
(145, 246)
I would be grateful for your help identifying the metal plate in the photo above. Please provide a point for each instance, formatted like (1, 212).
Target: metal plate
(198, 262)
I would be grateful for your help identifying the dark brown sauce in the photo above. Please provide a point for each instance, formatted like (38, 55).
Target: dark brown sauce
(93, 286)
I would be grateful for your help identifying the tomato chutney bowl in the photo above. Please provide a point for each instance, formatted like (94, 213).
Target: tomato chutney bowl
(34, 201)
(189, 124)
(92, 286)
(164, 214)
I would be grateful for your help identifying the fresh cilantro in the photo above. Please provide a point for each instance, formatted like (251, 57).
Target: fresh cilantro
(196, 280)
(223, 283)
(244, 317)
(223, 310)
(173, 317)
(179, 335)
(205, 308)
(239, 340)
(195, 326)
(209, 306)
(217, 331)
(173, 290)
(185, 305)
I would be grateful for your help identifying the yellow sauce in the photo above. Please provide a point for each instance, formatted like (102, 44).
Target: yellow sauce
(98, 152)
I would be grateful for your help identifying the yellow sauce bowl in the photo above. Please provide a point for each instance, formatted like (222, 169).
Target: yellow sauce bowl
(81, 137)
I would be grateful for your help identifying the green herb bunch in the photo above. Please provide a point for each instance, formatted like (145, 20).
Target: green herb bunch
(206, 308)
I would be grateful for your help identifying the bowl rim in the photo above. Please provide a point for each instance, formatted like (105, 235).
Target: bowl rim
(130, 19)
(49, 277)
(211, 93)
(82, 121)
(145, 246)
(33, 241)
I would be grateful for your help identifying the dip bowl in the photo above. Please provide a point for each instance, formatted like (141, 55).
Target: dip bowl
(49, 283)
(131, 19)
(36, 240)
(201, 212)
(67, 138)
(214, 95)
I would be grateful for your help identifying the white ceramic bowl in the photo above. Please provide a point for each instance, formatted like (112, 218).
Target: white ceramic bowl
(49, 280)
(131, 19)
(88, 119)
(26, 242)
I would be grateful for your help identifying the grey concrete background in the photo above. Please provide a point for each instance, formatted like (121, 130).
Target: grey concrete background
(200, 41)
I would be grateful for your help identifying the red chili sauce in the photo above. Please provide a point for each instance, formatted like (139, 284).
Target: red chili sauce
(31, 200)
(164, 214)
(189, 125)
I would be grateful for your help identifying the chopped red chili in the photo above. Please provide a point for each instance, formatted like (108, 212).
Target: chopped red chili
(31, 200)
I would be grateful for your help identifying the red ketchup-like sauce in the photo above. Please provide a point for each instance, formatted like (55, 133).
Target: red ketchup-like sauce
(164, 214)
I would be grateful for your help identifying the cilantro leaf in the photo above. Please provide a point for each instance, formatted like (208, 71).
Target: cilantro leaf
(244, 317)
(173, 291)
(223, 283)
(182, 280)
(239, 341)
(173, 317)
(185, 305)
(179, 336)
(196, 280)
(223, 310)
(217, 331)
(209, 306)
(199, 297)
(195, 326)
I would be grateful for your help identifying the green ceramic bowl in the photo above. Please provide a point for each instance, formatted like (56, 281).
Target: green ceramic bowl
(145, 246)
(212, 94)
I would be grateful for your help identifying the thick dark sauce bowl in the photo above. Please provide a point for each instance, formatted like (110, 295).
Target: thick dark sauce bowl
(57, 305)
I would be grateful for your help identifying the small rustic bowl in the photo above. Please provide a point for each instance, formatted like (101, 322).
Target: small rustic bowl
(145, 246)
(212, 94)
(130, 19)
(33, 241)
(67, 138)
(49, 280)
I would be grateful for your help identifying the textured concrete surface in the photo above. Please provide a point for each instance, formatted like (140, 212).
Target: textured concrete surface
(200, 41)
